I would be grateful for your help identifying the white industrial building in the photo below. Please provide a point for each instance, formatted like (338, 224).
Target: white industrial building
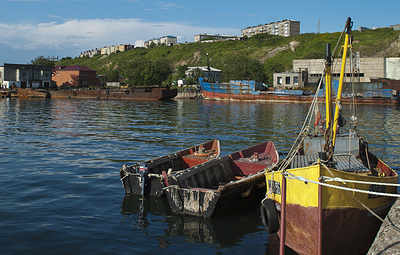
(366, 70)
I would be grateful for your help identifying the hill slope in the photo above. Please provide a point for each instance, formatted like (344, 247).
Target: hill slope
(255, 58)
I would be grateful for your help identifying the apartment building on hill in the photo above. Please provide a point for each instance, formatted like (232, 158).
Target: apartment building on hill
(168, 40)
(282, 28)
(106, 50)
(206, 36)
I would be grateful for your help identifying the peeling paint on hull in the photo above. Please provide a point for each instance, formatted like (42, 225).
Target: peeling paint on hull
(220, 184)
(145, 93)
(149, 180)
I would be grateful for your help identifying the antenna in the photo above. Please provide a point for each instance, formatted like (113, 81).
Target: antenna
(318, 27)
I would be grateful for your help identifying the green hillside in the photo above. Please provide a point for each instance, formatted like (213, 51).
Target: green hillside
(253, 58)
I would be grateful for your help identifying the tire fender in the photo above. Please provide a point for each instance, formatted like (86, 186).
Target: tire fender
(269, 216)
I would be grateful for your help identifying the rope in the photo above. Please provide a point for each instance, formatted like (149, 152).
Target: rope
(362, 204)
(337, 179)
(300, 178)
(303, 132)
(125, 172)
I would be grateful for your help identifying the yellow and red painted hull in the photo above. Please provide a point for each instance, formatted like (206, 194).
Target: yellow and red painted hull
(346, 226)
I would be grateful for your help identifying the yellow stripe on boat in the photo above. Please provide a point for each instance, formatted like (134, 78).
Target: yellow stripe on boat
(306, 194)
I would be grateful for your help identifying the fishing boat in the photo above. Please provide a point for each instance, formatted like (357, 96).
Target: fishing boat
(136, 93)
(330, 194)
(220, 184)
(145, 178)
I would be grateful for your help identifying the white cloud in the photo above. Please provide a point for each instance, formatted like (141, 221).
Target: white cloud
(74, 36)
(168, 5)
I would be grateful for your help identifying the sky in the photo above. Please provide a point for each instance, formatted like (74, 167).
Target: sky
(65, 28)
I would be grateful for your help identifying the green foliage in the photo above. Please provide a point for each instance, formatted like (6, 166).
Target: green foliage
(145, 72)
(41, 60)
(180, 71)
(257, 57)
(239, 66)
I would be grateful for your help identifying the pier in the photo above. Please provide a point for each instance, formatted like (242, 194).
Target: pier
(387, 240)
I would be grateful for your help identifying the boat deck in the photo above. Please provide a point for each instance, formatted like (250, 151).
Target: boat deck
(347, 163)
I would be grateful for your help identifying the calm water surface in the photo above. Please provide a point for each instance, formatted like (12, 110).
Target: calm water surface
(60, 191)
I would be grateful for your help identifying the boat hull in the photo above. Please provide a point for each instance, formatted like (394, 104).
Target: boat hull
(267, 97)
(346, 226)
(205, 202)
(248, 92)
(221, 184)
(138, 93)
(146, 178)
(32, 93)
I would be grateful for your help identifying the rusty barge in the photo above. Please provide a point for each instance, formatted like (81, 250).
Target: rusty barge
(246, 90)
(136, 93)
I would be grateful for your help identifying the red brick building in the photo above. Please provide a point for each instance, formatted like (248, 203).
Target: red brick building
(74, 76)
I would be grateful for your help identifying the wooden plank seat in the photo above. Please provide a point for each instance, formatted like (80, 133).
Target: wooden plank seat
(347, 163)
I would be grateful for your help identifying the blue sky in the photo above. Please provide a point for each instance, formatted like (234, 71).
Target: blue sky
(65, 28)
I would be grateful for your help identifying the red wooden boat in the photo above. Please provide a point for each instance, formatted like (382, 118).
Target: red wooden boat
(220, 184)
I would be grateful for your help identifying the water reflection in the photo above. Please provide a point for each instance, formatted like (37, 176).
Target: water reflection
(224, 230)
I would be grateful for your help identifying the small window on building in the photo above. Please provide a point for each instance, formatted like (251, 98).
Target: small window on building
(295, 80)
(279, 80)
(287, 80)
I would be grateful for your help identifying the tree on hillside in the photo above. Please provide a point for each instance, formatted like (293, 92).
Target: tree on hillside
(242, 67)
(41, 60)
(197, 73)
(145, 72)
(180, 71)
(112, 75)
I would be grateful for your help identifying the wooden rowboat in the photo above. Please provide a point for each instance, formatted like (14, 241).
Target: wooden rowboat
(145, 178)
(220, 184)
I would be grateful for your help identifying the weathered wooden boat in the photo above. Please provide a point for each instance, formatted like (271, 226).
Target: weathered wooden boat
(136, 93)
(32, 93)
(327, 195)
(220, 184)
(146, 178)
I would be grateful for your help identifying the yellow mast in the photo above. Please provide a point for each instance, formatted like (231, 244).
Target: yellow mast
(339, 92)
(328, 86)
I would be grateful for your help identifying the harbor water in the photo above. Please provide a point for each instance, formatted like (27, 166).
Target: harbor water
(60, 191)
